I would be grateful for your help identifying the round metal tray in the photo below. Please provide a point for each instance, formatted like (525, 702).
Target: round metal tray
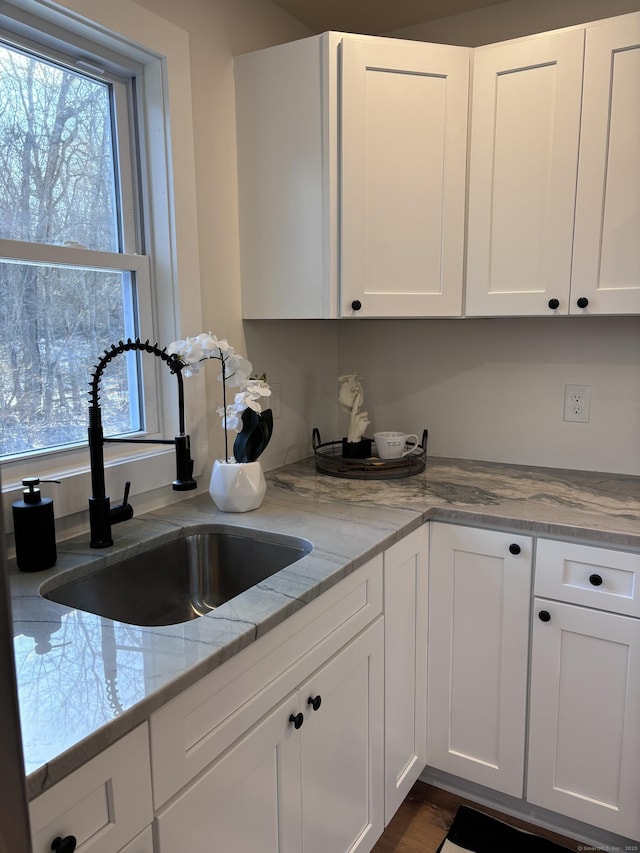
(330, 461)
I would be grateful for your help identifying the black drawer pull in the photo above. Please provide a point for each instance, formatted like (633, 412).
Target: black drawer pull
(595, 579)
(297, 720)
(514, 548)
(544, 616)
(315, 702)
(64, 845)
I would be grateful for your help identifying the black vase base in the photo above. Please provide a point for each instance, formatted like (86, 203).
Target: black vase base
(356, 449)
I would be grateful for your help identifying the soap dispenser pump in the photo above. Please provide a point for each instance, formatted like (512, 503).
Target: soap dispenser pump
(34, 528)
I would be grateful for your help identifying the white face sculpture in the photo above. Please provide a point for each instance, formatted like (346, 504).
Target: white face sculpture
(351, 392)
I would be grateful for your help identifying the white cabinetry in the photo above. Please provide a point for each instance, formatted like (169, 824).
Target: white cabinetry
(104, 805)
(352, 164)
(606, 257)
(405, 656)
(479, 602)
(538, 243)
(282, 788)
(584, 737)
(525, 127)
(229, 763)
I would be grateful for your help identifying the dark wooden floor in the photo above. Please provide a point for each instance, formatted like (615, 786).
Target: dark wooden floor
(422, 821)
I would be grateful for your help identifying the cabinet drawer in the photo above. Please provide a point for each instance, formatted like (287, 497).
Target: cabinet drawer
(104, 804)
(189, 732)
(594, 577)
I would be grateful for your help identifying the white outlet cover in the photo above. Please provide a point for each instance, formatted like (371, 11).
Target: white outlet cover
(577, 403)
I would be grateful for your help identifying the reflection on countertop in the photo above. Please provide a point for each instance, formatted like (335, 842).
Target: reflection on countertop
(84, 681)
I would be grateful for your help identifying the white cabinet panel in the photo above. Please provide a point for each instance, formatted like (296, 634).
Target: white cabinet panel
(606, 263)
(403, 155)
(248, 800)
(479, 601)
(525, 122)
(316, 788)
(342, 761)
(594, 577)
(405, 622)
(103, 805)
(351, 165)
(584, 740)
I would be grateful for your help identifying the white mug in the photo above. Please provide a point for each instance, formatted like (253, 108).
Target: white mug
(391, 445)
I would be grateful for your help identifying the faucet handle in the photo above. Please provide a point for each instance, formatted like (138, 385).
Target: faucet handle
(123, 511)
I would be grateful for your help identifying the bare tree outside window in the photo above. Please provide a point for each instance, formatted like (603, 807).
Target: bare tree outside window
(59, 190)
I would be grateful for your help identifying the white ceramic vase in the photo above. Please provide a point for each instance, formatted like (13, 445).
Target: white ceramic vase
(237, 486)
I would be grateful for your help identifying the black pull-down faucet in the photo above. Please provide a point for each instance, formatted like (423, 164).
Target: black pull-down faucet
(101, 514)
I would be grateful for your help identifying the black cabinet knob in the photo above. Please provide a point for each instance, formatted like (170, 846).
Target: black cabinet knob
(297, 720)
(514, 548)
(315, 702)
(595, 580)
(356, 305)
(553, 304)
(64, 845)
(544, 616)
(582, 302)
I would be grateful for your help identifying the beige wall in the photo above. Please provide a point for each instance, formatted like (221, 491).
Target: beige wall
(485, 389)
(302, 358)
(494, 389)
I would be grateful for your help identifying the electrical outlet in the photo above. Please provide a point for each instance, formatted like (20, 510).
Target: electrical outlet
(274, 399)
(577, 403)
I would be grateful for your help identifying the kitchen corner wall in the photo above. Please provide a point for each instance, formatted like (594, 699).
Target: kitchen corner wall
(494, 389)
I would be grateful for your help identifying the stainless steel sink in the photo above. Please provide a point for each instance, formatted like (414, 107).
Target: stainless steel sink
(182, 579)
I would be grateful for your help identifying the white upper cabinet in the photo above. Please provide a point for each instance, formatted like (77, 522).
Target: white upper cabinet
(606, 255)
(525, 127)
(352, 176)
(403, 155)
(545, 110)
(352, 170)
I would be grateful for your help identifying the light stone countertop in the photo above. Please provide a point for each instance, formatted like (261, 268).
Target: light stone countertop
(84, 681)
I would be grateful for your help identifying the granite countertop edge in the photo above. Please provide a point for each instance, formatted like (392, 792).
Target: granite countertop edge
(348, 522)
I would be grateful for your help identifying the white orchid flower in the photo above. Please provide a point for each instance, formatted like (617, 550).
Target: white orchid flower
(254, 392)
(236, 368)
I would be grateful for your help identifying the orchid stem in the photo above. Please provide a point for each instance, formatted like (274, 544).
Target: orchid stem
(224, 403)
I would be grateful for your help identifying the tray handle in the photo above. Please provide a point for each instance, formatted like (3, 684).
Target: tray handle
(315, 438)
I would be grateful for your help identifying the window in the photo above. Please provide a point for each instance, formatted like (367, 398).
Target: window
(73, 279)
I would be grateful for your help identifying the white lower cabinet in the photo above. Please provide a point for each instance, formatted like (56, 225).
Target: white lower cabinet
(405, 665)
(142, 843)
(281, 748)
(104, 805)
(306, 778)
(584, 730)
(479, 602)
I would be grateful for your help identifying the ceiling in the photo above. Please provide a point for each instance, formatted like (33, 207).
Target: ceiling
(373, 17)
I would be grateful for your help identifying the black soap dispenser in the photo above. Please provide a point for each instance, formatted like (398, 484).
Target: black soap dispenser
(34, 528)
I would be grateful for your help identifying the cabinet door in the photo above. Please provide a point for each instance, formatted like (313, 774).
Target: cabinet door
(342, 757)
(405, 653)
(104, 804)
(584, 741)
(142, 843)
(479, 597)
(606, 262)
(525, 122)
(403, 150)
(248, 800)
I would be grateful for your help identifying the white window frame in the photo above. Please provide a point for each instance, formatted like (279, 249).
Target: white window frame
(119, 27)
